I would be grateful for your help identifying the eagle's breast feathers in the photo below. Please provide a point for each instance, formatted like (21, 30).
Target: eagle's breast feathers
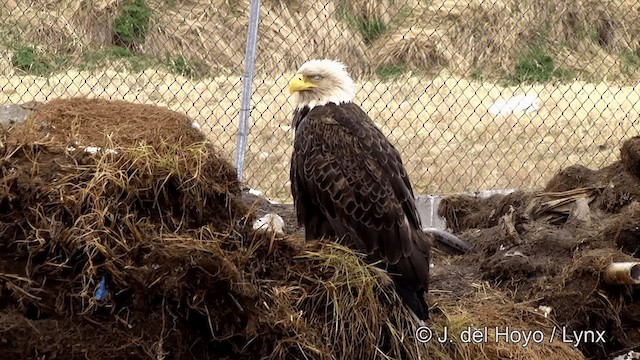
(348, 170)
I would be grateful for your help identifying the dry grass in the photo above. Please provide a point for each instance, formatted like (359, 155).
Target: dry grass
(211, 32)
(461, 35)
(386, 11)
(6, 68)
(163, 223)
(178, 280)
(184, 272)
(561, 255)
(448, 139)
(67, 27)
(491, 35)
(488, 309)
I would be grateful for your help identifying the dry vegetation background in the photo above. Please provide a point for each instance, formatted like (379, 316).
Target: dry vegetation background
(427, 72)
(148, 251)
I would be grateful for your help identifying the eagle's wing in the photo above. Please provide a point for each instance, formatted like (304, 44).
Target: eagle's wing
(345, 170)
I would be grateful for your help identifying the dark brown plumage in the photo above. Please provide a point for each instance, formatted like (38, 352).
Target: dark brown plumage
(348, 181)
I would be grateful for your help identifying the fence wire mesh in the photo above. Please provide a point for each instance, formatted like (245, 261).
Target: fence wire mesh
(475, 94)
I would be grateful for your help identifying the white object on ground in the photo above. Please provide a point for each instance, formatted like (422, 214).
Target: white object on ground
(623, 273)
(256, 192)
(94, 150)
(270, 222)
(516, 104)
(546, 310)
(631, 355)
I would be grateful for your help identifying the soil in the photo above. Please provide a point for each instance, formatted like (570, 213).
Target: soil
(137, 218)
(144, 249)
(169, 230)
(543, 254)
(546, 255)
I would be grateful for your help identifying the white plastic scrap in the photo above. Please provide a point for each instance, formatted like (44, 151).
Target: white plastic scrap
(516, 104)
(631, 355)
(257, 192)
(546, 310)
(512, 253)
(270, 222)
(93, 150)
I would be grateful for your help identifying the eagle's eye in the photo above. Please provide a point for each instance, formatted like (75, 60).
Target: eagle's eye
(316, 78)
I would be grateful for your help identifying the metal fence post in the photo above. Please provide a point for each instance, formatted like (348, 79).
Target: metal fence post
(245, 106)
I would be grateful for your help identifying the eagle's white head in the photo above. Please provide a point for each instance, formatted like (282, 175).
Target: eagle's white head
(319, 82)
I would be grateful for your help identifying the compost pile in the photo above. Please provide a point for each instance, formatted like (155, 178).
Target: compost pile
(124, 235)
(550, 247)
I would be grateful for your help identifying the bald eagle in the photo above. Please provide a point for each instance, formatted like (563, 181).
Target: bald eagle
(348, 181)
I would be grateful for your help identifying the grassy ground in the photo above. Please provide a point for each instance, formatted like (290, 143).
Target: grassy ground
(427, 73)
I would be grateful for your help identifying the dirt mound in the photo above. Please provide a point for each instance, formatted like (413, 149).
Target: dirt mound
(550, 248)
(467, 211)
(620, 181)
(84, 122)
(141, 247)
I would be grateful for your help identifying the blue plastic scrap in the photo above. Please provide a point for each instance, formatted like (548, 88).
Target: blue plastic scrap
(101, 291)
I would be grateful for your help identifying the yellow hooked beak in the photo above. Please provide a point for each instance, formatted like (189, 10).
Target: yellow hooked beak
(298, 83)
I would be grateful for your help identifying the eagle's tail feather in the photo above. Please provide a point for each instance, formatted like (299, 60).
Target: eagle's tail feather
(413, 299)
(411, 275)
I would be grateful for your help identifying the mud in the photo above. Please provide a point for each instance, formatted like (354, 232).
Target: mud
(553, 249)
(164, 222)
(143, 248)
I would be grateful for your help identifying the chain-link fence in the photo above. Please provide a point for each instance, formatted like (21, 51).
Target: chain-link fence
(475, 94)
